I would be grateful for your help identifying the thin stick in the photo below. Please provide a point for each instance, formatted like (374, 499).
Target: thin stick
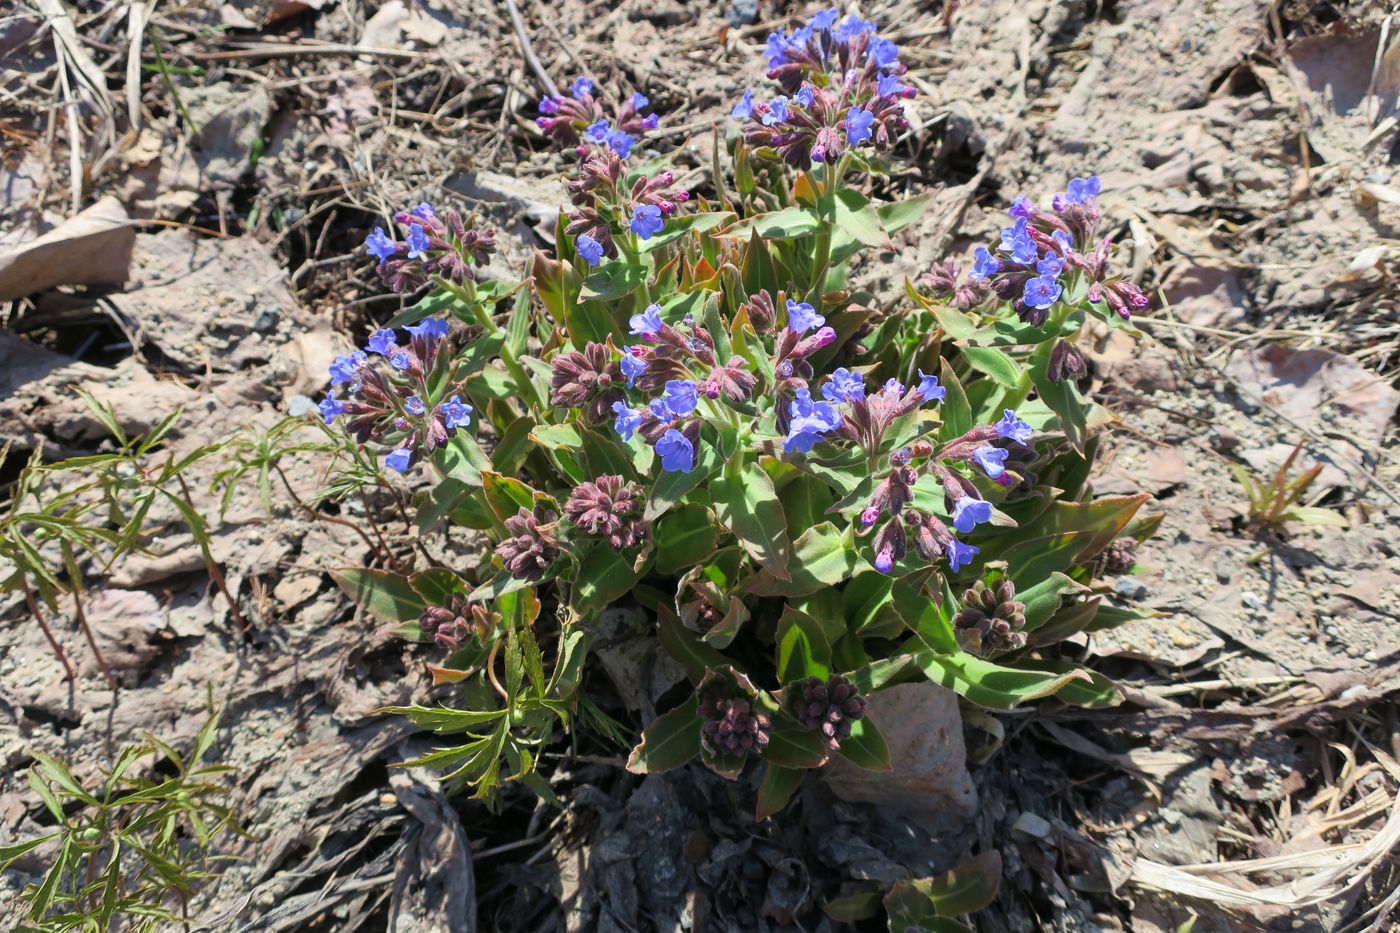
(541, 75)
(92, 642)
(48, 632)
(383, 554)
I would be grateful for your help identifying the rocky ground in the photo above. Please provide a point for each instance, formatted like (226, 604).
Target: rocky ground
(197, 250)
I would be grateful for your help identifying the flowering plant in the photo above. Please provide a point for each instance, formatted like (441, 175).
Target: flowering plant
(691, 409)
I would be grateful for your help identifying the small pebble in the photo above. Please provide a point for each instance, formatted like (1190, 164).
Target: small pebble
(1128, 588)
(1251, 601)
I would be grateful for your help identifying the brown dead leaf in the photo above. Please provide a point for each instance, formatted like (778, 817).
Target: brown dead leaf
(93, 248)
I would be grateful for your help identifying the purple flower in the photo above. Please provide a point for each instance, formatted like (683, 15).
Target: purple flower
(379, 244)
(627, 421)
(1017, 241)
(659, 411)
(1064, 239)
(381, 341)
(418, 242)
(424, 210)
(343, 369)
(893, 387)
(647, 323)
(884, 53)
(646, 221)
(1050, 266)
(455, 413)
(401, 359)
(1021, 207)
(581, 88)
(430, 329)
(1041, 292)
(744, 108)
(889, 86)
(777, 112)
(639, 100)
(991, 459)
(810, 421)
(858, 123)
(844, 386)
(414, 405)
(1013, 428)
(590, 249)
(984, 264)
(959, 554)
(823, 19)
(680, 396)
(852, 26)
(804, 96)
(968, 513)
(331, 407)
(597, 131)
(1080, 190)
(929, 389)
(632, 366)
(651, 121)
(802, 317)
(621, 143)
(676, 452)
(549, 105)
(400, 458)
(776, 50)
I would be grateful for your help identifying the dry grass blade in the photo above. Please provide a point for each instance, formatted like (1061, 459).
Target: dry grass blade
(137, 17)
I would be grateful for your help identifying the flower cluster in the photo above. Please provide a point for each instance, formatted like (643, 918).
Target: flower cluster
(611, 508)
(841, 89)
(991, 619)
(390, 395)
(829, 706)
(732, 727)
(432, 246)
(457, 622)
(579, 119)
(533, 543)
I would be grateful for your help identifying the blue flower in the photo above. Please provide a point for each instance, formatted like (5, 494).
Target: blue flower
(884, 53)
(991, 459)
(744, 108)
(1041, 292)
(632, 365)
(627, 421)
(418, 242)
(659, 411)
(379, 244)
(549, 105)
(1063, 238)
(430, 329)
(646, 221)
(581, 87)
(889, 86)
(777, 112)
(676, 452)
(810, 421)
(776, 50)
(823, 19)
(1051, 265)
(400, 458)
(804, 96)
(1018, 241)
(1080, 190)
(929, 389)
(959, 554)
(845, 386)
(455, 413)
(414, 405)
(1021, 207)
(893, 387)
(802, 317)
(1013, 428)
(401, 359)
(968, 513)
(590, 249)
(381, 341)
(621, 143)
(647, 323)
(984, 264)
(597, 131)
(858, 123)
(343, 369)
(680, 396)
(852, 26)
(424, 210)
(331, 407)
(651, 121)
(639, 100)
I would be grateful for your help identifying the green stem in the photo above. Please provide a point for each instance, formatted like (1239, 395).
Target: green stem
(467, 294)
(827, 202)
(627, 245)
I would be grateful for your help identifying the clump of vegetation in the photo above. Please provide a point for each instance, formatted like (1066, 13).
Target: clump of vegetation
(1274, 500)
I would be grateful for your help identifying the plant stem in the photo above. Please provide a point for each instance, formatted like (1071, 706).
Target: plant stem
(91, 640)
(48, 632)
(827, 200)
(522, 380)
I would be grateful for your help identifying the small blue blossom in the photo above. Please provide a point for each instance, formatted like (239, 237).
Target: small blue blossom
(968, 513)
(960, 555)
(343, 369)
(597, 131)
(381, 342)
(776, 50)
(984, 264)
(400, 458)
(810, 421)
(621, 143)
(1013, 428)
(651, 121)
(929, 389)
(1017, 241)
(744, 108)
(1080, 190)
(823, 19)
(590, 249)
(893, 387)
(647, 323)
(1021, 207)
(646, 221)
(1063, 238)
(639, 100)
(627, 422)
(401, 359)
(418, 242)
(680, 396)
(858, 123)
(414, 405)
(581, 88)
(1042, 291)
(659, 411)
(1051, 265)
(632, 366)
(455, 413)
(424, 211)
(430, 329)
(379, 244)
(852, 26)
(884, 53)
(777, 112)
(802, 317)
(844, 386)
(804, 96)
(331, 407)
(889, 86)
(549, 105)
(991, 459)
(676, 452)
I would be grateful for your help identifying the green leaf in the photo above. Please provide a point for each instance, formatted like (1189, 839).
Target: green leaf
(670, 741)
(786, 224)
(677, 227)
(747, 503)
(886, 672)
(821, 557)
(438, 585)
(389, 597)
(506, 495)
(556, 435)
(993, 686)
(777, 788)
(1043, 599)
(853, 907)
(9, 854)
(603, 576)
(868, 607)
(791, 747)
(895, 216)
(956, 412)
(684, 537)
(855, 216)
(1002, 368)
(1092, 691)
(1063, 398)
(865, 747)
(1065, 534)
(970, 887)
(685, 647)
(802, 647)
(612, 280)
(930, 619)
(462, 459)
(805, 500)
(441, 719)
